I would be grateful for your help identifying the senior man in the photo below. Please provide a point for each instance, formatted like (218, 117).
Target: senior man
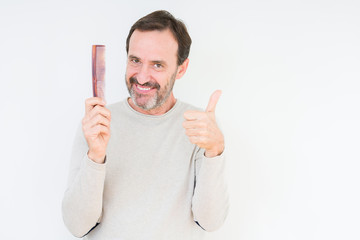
(151, 166)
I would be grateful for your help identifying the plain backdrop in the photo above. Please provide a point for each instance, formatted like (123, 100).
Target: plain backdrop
(290, 75)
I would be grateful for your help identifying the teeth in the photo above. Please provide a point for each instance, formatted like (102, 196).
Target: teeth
(143, 89)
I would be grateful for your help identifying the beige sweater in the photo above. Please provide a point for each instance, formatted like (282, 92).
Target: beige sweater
(154, 184)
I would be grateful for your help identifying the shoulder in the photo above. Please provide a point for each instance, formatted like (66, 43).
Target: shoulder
(187, 106)
(116, 106)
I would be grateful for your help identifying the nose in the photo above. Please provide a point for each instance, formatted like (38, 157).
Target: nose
(143, 75)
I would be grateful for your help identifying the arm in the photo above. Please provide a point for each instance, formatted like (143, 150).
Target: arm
(82, 202)
(210, 201)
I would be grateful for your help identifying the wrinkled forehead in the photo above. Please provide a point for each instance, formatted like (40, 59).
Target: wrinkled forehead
(154, 44)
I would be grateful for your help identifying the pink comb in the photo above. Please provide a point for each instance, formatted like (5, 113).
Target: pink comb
(98, 70)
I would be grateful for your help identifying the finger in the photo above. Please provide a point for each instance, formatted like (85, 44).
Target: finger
(99, 119)
(198, 140)
(100, 110)
(91, 130)
(94, 131)
(193, 139)
(194, 124)
(90, 103)
(192, 115)
(88, 122)
(98, 129)
(213, 101)
(196, 132)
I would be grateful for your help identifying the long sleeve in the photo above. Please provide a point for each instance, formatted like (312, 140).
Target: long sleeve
(210, 201)
(145, 189)
(83, 199)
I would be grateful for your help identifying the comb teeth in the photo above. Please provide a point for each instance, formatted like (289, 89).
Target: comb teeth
(98, 70)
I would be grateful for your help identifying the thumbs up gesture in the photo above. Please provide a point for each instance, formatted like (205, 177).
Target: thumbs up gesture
(202, 130)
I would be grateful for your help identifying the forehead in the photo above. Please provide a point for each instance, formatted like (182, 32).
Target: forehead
(153, 45)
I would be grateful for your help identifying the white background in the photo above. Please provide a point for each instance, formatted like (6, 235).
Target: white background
(290, 75)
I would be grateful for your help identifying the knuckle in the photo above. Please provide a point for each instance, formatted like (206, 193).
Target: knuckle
(108, 114)
(202, 132)
(97, 118)
(88, 101)
(85, 126)
(203, 124)
(86, 133)
(96, 108)
(208, 128)
(193, 140)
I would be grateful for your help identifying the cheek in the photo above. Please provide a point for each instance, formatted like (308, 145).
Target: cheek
(130, 71)
(161, 78)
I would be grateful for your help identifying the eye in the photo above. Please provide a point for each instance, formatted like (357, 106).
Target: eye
(157, 65)
(135, 60)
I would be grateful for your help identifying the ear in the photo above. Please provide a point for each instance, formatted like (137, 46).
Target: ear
(182, 69)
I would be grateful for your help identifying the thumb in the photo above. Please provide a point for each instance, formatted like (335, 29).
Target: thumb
(213, 101)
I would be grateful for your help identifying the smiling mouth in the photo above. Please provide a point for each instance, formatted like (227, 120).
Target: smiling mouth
(143, 88)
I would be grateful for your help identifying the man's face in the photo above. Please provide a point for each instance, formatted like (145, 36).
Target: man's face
(151, 68)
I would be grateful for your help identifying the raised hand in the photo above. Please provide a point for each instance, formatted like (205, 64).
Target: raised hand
(96, 128)
(202, 130)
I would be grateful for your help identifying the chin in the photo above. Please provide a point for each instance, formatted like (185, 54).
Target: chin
(145, 104)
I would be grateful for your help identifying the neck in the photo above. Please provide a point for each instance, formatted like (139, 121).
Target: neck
(164, 108)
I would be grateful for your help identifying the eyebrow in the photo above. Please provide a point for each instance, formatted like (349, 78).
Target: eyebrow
(133, 57)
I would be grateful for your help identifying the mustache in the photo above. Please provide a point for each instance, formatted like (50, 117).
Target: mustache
(133, 80)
